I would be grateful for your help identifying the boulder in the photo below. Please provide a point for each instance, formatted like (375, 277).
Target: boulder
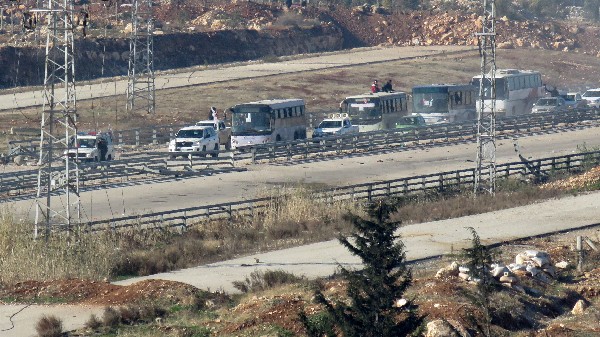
(440, 328)
(449, 271)
(508, 279)
(579, 307)
(562, 265)
(499, 270)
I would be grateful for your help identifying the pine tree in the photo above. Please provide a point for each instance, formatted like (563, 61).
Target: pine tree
(479, 259)
(384, 279)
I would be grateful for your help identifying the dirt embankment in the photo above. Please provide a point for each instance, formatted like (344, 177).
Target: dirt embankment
(246, 31)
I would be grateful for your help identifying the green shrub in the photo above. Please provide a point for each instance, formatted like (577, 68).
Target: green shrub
(259, 280)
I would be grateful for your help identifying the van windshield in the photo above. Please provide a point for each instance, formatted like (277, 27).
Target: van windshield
(330, 124)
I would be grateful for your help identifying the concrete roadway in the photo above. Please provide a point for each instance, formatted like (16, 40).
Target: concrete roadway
(352, 169)
(118, 86)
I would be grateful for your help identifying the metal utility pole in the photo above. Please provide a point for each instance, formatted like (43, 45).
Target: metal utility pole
(485, 175)
(57, 176)
(140, 88)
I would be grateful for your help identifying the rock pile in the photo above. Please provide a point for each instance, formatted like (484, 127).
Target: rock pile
(530, 263)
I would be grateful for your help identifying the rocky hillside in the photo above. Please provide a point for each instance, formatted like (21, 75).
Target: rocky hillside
(193, 33)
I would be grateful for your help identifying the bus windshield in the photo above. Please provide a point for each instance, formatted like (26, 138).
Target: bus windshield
(250, 122)
(363, 108)
(433, 102)
(330, 124)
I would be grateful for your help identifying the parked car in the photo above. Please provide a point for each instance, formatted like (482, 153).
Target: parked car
(92, 146)
(574, 100)
(592, 97)
(549, 104)
(410, 122)
(223, 131)
(194, 140)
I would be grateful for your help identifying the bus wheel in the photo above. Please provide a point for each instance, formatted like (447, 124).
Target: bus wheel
(228, 145)
(278, 138)
(296, 135)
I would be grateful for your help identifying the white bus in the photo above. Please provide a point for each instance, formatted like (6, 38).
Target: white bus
(445, 103)
(267, 121)
(516, 91)
(375, 111)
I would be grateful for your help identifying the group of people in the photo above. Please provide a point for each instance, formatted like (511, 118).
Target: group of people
(387, 87)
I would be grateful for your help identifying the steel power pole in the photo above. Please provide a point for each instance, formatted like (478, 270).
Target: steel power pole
(140, 88)
(485, 175)
(58, 177)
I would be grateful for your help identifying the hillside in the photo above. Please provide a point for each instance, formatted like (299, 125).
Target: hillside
(192, 33)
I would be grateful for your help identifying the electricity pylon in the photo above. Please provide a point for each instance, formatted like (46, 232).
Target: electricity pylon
(57, 176)
(485, 175)
(140, 88)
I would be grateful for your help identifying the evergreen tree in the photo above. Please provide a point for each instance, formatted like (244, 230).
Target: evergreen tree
(592, 9)
(479, 259)
(383, 280)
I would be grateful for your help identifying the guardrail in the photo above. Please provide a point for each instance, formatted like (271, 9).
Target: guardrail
(119, 171)
(155, 162)
(458, 179)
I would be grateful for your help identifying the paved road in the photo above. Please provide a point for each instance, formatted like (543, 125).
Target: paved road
(20, 320)
(111, 87)
(421, 240)
(354, 169)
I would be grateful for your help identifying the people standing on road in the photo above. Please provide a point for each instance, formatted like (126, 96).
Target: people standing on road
(375, 87)
(212, 115)
(553, 92)
(387, 87)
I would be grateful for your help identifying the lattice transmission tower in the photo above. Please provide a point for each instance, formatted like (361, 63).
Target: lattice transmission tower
(58, 176)
(140, 88)
(485, 175)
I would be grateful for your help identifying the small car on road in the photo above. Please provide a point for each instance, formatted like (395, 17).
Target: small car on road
(194, 140)
(549, 104)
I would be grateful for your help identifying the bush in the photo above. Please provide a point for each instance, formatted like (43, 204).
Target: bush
(49, 326)
(259, 280)
(111, 317)
(93, 322)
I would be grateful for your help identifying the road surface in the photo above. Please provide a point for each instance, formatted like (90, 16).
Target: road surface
(143, 197)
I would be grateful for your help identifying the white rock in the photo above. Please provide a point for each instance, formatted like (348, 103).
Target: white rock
(508, 279)
(521, 258)
(579, 307)
(463, 276)
(463, 269)
(440, 328)
(562, 265)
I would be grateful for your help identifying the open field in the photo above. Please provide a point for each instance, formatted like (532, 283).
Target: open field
(322, 89)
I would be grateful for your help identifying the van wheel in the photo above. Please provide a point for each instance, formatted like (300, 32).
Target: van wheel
(172, 157)
(278, 138)
(109, 157)
(216, 149)
(228, 145)
(96, 159)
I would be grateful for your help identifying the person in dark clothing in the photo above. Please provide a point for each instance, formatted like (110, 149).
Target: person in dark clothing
(387, 87)
(553, 92)
(103, 147)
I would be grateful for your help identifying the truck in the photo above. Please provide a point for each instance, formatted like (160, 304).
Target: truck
(194, 140)
(91, 146)
(336, 125)
(223, 131)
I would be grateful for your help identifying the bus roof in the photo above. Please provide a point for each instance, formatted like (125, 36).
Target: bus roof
(502, 73)
(448, 86)
(379, 94)
(275, 103)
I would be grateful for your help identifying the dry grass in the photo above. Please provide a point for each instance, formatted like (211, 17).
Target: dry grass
(62, 256)
(49, 326)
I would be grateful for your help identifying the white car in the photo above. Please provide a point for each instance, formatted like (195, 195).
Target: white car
(195, 140)
(91, 146)
(223, 131)
(592, 96)
(335, 125)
